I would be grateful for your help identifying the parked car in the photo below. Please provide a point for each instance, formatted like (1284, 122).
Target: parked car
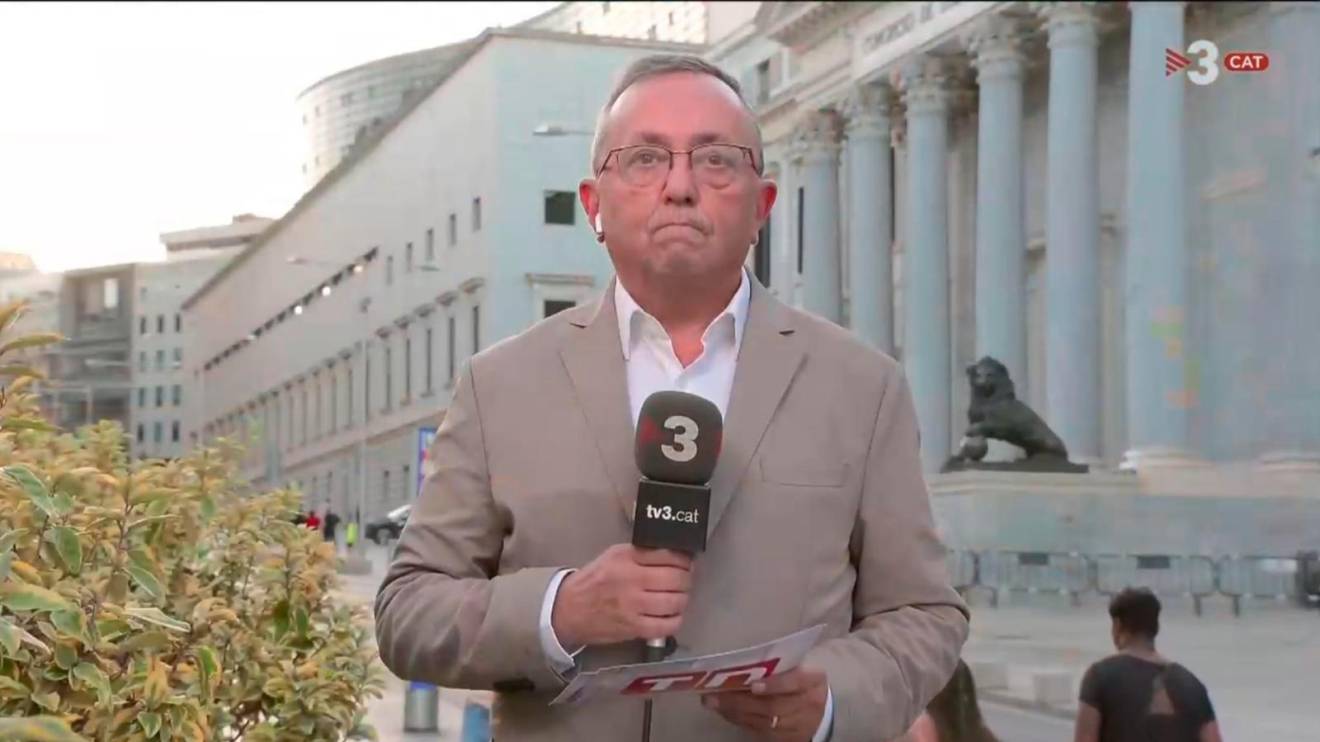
(389, 527)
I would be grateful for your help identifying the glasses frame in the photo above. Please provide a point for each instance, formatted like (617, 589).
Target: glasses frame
(605, 163)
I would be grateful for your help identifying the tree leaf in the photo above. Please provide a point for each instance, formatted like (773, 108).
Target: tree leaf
(33, 340)
(302, 622)
(150, 519)
(49, 701)
(65, 656)
(155, 616)
(71, 623)
(38, 729)
(27, 423)
(10, 538)
(145, 580)
(69, 547)
(6, 560)
(148, 640)
(150, 722)
(21, 597)
(9, 684)
(209, 668)
(93, 677)
(33, 488)
(157, 686)
(12, 636)
(19, 369)
(280, 619)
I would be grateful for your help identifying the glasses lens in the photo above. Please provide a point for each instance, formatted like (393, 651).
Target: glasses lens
(643, 165)
(717, 164)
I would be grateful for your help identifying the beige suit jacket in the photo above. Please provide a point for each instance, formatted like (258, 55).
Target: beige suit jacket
(819, 514)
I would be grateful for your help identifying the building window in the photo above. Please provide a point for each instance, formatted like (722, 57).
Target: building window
(385, 485)
(389, 377)
(371, 91)
(407, 482)
(366, 391)
(178, 323)
(160, 360)
(160, 323)
(476, 328)
(476, 214)
(142, 360)
(560, 207)
(430, 245)
(389, 270)
(428, 360)
(453, 229)
(408, 255)
(142, 396)
(346, 99)
(158, 431)
(350, 398)
(141, 433)
(110, 299)
(407, 368)
(762, 255)
(650, 32)
(178, 394)
(174, 431)
(802, 198)
(316, 392)
(450, 338)
(302, 408)
(142, 325)
(555, 306)
(160, 396)
(178, 357)
(334, 402)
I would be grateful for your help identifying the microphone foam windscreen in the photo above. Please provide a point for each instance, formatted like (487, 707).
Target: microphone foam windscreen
(678, 437)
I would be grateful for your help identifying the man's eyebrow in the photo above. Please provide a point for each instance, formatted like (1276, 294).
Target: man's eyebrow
(705, 137)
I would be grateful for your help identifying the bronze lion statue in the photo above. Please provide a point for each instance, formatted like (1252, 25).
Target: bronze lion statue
(996, 412)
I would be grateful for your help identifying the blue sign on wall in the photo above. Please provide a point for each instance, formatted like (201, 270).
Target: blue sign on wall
(424, 437)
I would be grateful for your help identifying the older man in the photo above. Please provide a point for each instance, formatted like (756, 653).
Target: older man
(515, 569)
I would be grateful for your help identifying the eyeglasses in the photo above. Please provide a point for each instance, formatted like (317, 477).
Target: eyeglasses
(715, 165)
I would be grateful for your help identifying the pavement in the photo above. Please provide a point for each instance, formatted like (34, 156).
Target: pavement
(1258, 667)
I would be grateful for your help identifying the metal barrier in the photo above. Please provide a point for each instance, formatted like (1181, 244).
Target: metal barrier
(1034, 572)
(1258, 577)
(962, 567)
(1181, 576)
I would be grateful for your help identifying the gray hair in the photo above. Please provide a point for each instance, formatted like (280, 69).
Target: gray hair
(656, 65)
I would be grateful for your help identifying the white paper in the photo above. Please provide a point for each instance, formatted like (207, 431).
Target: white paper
(712, 673)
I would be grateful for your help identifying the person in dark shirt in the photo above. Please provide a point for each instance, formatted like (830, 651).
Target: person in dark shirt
(1138, 695)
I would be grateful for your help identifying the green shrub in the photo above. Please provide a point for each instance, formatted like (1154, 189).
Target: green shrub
(162, 600)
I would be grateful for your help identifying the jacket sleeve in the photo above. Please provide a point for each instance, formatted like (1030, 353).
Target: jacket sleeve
(444, 615)
(909, 624)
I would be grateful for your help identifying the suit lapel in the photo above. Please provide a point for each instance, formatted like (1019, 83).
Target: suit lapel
(593, 357)
(772, 349)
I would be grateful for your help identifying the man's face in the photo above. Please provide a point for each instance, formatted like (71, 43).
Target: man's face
(678, 227)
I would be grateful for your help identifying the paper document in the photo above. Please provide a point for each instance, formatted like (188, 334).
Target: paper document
(712, 673)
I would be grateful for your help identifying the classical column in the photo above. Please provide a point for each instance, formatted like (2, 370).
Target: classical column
(1072, 257)
(784, 233)
(1001, 280)
(926, 349)
(1290, 438)
(821, 271)
(871, 217)
(1158, 395)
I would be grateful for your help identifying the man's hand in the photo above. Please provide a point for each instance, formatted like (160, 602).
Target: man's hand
(786, 707)
(625, 593)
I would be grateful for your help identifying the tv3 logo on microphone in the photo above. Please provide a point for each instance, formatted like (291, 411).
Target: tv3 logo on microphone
(669, 513)
(1204, 54)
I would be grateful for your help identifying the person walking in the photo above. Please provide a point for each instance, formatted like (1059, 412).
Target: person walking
(1138, 694)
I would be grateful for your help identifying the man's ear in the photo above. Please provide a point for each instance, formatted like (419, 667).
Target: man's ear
(590, 199)
(765, 199)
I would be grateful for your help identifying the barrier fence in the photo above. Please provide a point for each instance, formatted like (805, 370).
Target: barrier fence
(1235, 577)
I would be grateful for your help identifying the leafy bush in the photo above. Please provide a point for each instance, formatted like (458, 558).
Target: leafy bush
(145, 600)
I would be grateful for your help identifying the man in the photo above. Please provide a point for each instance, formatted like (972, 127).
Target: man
(1137, 694)
(516, 569)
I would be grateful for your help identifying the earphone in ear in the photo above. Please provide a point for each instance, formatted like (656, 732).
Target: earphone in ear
(597, 224)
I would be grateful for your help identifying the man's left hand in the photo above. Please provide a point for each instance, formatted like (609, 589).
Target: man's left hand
(786, 707)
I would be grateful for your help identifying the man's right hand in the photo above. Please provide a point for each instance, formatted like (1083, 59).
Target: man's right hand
(625, 593)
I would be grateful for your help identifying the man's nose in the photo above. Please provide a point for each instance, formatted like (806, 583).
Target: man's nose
(680, 185)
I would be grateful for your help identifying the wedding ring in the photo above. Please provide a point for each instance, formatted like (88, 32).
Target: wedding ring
(774, 722)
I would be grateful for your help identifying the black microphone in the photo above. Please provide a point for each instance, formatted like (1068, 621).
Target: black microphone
(678, 441)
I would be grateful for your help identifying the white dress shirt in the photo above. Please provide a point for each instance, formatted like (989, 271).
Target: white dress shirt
(652, 366)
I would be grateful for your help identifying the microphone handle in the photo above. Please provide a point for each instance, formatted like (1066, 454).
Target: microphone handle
(655, 649)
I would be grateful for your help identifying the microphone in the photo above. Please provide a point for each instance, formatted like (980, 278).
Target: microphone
(677, 444)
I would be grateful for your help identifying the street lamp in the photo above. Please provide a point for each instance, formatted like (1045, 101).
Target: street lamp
(556, 130)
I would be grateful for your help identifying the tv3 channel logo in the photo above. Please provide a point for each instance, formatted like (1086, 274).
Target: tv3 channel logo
(1204, 54)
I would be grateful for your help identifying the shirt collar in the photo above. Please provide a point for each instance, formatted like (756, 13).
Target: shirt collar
(629, 311)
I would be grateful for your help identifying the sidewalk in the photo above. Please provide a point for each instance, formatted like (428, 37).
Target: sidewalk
(386, 713)
(1259, 669)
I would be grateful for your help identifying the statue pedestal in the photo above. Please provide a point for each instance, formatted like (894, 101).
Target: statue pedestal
(1212, 510)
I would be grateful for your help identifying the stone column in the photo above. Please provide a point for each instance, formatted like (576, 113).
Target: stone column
(1001, 279)
(871, 217)
(1290, 440)
(1072, 256)
(1158, 394)
(926, 342)
(821, 272)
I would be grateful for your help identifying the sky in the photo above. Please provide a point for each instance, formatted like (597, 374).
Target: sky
(125, 120)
